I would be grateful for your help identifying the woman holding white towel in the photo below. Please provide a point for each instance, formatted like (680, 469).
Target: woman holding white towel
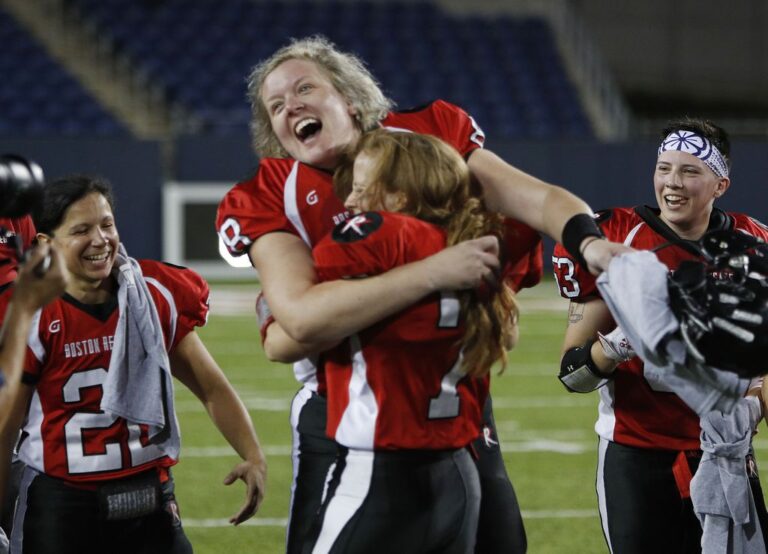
(100, 433)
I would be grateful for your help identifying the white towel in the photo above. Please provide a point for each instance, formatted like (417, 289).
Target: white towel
(720, 491)
(635, 289)
(139, 386)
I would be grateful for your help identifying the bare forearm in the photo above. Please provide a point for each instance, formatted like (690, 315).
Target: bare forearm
(585, 320)
(331, 311)
(15, 408)
(231, 418)
(316, 313)
(523, 197)
(280, 347)
(13, 346)
(605, 364)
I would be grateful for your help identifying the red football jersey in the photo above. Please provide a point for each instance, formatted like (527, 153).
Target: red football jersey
(522, 255)
(397, 384)
(286, 195)
(634, 411)
(22, 228)
(66, 435)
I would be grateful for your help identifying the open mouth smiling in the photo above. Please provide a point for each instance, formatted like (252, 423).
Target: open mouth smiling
(307, 128)
(97, 257)
(674, 199)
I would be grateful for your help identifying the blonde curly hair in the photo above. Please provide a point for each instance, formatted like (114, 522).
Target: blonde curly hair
(346, 72)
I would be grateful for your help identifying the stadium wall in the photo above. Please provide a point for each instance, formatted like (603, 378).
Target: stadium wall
(133, 167)
(603, 174)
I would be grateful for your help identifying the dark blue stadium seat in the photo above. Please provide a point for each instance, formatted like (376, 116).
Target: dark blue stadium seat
(38, 97)
(506, 71)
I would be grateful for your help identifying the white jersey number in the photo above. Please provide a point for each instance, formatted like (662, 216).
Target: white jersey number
(569, 286)
(110, 457)
(447, 403)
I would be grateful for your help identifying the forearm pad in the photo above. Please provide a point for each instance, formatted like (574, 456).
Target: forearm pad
(578, 371)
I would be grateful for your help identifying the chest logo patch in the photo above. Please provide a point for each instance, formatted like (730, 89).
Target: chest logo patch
(357, 227)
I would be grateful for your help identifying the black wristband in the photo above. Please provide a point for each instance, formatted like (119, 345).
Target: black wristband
(575, 231)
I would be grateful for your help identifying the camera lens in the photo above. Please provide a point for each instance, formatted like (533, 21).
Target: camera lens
(21, 185)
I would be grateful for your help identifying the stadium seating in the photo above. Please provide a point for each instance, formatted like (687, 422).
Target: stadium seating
(506, 72)
(38, 97)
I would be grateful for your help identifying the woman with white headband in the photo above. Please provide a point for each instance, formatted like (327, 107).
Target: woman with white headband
(648, 437)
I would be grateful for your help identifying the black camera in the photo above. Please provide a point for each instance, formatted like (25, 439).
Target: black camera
(21, 190)
(21, 185)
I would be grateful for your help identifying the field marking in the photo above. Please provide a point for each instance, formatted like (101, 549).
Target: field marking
(227, 451)
(536, 445)
(282, 522)
(507, 446)
(555, 401)
(226, 300)
(545, 445)
(269, 404)
(258, 403)
(253, 522)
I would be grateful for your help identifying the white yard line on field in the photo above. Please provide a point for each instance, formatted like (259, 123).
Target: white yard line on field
(282, 522)
(240, 301)
(267, 404)
(508, 446)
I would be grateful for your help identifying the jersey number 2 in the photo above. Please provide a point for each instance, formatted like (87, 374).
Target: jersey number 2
(110, 458)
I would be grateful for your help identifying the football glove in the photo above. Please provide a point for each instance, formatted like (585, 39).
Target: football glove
(616, 346)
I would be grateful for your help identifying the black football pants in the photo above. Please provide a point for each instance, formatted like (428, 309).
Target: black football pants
(398, 502)
(500, 526)
(55, 518)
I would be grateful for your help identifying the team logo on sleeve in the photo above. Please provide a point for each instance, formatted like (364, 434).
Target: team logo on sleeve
(357, 227)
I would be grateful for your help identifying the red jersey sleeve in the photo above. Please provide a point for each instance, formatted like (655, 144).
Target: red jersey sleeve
(23, 230)
(27, 231)
(255, 207)
(372, 243)
(575, 282)
(443, 120)
(750, 225)
(523, 251)
(180, 294)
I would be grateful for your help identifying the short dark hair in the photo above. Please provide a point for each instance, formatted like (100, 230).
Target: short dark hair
(59, 195)
(704, 127)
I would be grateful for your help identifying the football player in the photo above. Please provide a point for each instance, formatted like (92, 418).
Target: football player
(95, 480)
(648, 437)
(310, 102)
(32, 291)
(405, 396)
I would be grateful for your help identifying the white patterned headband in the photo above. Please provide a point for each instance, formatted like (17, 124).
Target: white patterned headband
(701, 147)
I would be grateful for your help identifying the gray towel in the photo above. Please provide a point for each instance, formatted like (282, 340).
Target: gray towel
(635, 289)
(139, 386)
(722, 498)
